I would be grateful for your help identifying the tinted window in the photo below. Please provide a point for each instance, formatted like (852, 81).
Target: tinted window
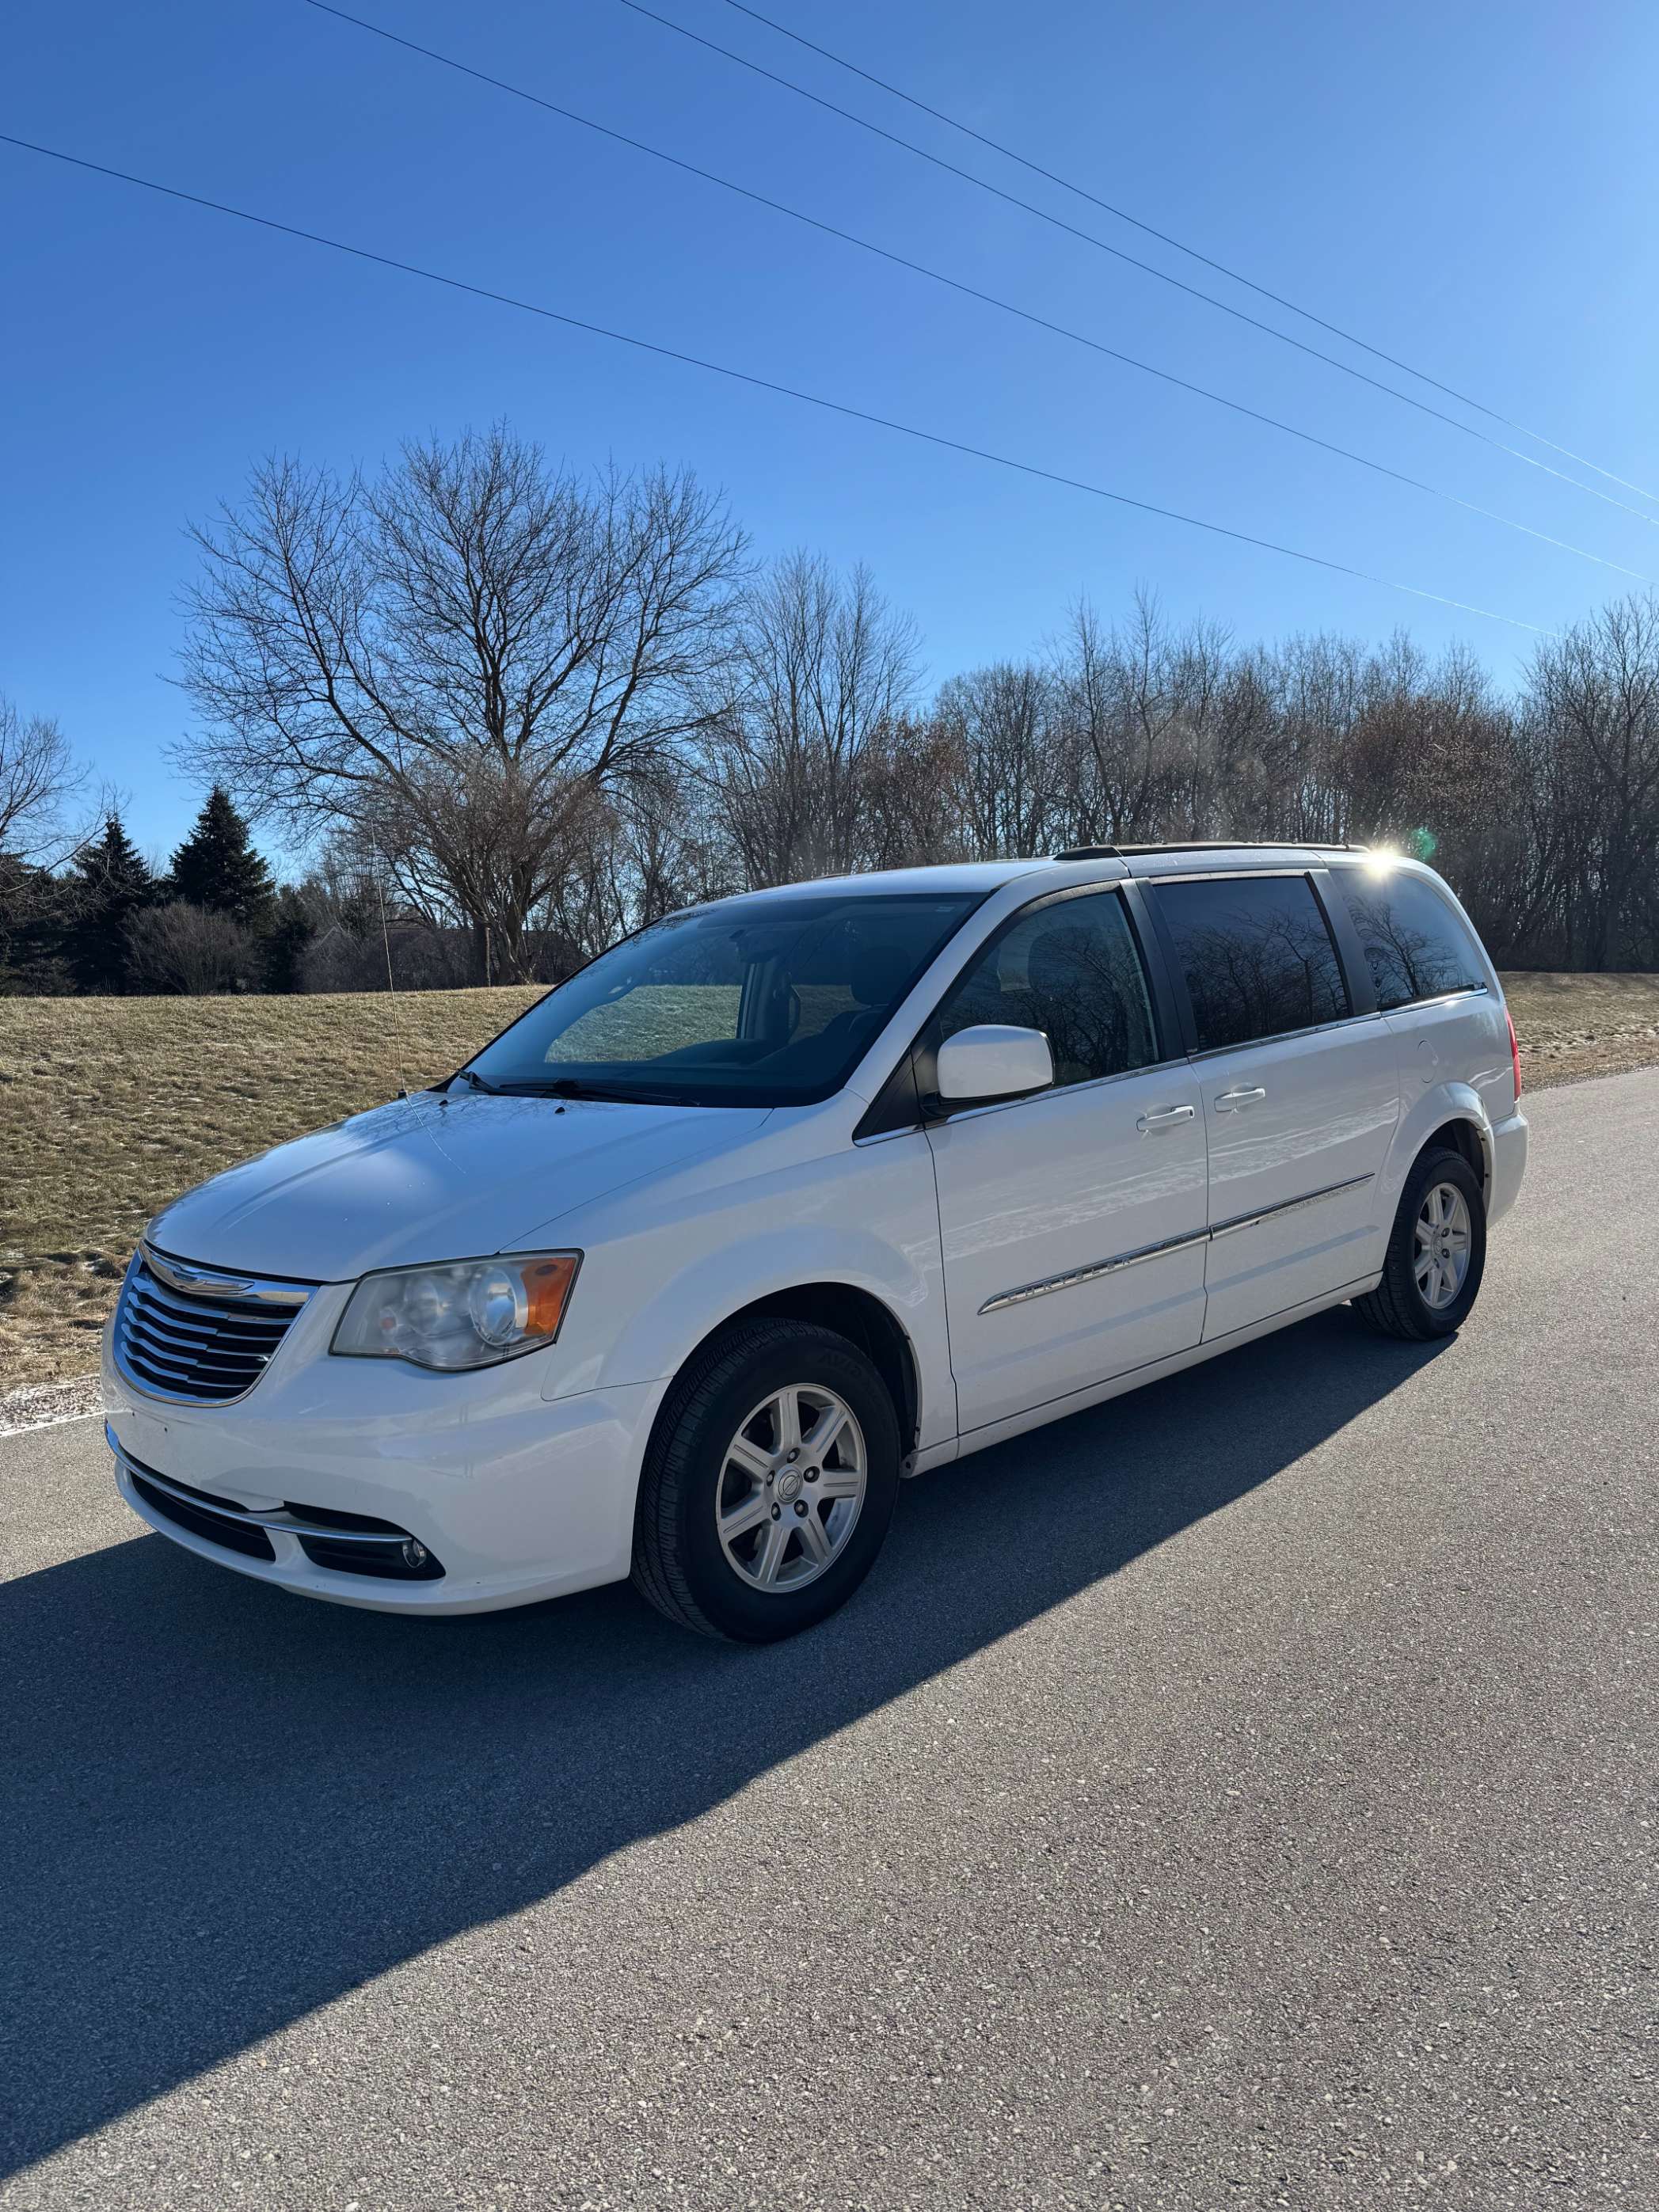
(1415, 947)
(1073, 970)
(1257, 956)
(765, 1000)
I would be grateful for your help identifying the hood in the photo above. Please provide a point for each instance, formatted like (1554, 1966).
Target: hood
(433, 1178)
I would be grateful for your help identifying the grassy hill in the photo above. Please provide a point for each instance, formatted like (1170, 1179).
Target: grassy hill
(113, 1106)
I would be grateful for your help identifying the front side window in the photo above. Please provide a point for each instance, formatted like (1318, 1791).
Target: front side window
(1257, 955)
(1416, 947)
(770, 999)
(1070, 969)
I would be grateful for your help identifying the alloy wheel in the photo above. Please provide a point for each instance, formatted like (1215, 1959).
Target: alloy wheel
(1440, 1260)
(791, 1486)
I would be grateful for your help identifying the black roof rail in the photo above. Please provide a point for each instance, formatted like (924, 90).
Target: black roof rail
(1210, 845)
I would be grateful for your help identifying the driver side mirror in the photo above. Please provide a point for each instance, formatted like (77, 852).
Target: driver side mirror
(992, 1061)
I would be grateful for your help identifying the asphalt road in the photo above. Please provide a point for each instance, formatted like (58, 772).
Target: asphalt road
(1240, 1795)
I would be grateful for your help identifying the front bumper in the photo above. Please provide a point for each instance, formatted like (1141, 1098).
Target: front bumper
(519, 1497)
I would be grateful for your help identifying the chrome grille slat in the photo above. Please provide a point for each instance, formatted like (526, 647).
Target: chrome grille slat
(192, 1353)
(191, 1332)
(172, 1362)
(218, 1314)
(176, 1332)
(207, 1348)
(184, 1332)
(169, 1376)
(199, 1340)
(183, 1364)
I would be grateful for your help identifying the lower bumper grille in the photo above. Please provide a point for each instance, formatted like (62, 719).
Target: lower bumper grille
(347, 1543)
(349, 1555)
(204, 1517)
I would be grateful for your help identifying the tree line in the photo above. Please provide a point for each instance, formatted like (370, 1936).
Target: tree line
(513, 712)
(104, 921)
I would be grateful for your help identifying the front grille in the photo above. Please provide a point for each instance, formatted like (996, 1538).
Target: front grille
(204, 1343)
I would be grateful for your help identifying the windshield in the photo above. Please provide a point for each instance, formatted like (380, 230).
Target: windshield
(770, 999)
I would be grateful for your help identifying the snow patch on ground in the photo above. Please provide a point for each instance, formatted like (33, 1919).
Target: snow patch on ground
(45, 1404)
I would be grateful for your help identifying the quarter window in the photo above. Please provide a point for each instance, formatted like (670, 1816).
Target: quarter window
(1415, 945)
(1072, 970)
(1257, 955)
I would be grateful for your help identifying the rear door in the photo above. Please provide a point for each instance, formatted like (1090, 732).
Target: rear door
(1298, 1085)
(1073, 1221)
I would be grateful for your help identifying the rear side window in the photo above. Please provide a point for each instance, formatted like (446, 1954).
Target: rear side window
(1257, 955)
(1416, 947)
(1072, 969)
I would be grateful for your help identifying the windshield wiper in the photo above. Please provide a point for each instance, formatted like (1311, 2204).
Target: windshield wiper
(567, 1086)
(468, 1075)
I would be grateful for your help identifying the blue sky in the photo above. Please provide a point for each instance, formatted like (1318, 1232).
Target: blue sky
(1472, 187)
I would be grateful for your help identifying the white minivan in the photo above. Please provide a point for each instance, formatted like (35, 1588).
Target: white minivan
(798, 1193)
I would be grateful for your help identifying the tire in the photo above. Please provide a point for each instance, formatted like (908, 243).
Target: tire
(1416, 1298)
(806, 1533)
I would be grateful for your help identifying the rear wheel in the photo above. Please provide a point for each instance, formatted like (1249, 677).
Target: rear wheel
(1436, 1252)
(769, 1484)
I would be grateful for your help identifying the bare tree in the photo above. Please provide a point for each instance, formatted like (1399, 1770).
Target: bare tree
(1002, 722)
(1596, 692)
(190, 950)
(454, 662)
(666, 849)
(916, 794)
(1140, 714)
(823, 669)
(37, 778)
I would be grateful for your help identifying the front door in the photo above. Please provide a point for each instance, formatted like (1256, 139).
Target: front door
(1300, 1096)
(1073, 1221)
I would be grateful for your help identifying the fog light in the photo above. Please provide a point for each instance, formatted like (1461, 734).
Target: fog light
(415, 1555)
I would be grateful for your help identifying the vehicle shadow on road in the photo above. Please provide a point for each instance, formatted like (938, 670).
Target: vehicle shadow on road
(230, 1806)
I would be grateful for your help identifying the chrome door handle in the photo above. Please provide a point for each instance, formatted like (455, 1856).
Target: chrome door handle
(1229, 1101)
(1166, 1118)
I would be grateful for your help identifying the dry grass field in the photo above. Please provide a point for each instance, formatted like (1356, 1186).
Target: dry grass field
(111, 1106)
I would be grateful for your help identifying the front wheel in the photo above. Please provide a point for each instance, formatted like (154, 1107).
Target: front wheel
(769, 1484)
(1436, 1252)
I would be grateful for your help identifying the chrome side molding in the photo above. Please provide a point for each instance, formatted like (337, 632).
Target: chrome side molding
(1097, 1269)
(1074, 1276)
(1286, 1205)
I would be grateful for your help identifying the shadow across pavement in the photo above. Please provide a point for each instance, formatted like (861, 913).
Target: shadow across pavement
(228, 1807)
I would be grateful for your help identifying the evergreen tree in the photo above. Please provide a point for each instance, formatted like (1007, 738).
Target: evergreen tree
(113, 883)
(218, 868)
(290, 930)
(37, 917)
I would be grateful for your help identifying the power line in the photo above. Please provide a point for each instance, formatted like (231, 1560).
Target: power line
(971, 291)
(1147, 267)
(1193, 253)
(763, 383)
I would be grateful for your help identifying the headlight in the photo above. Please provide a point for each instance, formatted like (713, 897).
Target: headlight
(469, 1313)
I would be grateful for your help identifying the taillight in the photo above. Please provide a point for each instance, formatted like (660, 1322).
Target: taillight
(1515, 1053)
